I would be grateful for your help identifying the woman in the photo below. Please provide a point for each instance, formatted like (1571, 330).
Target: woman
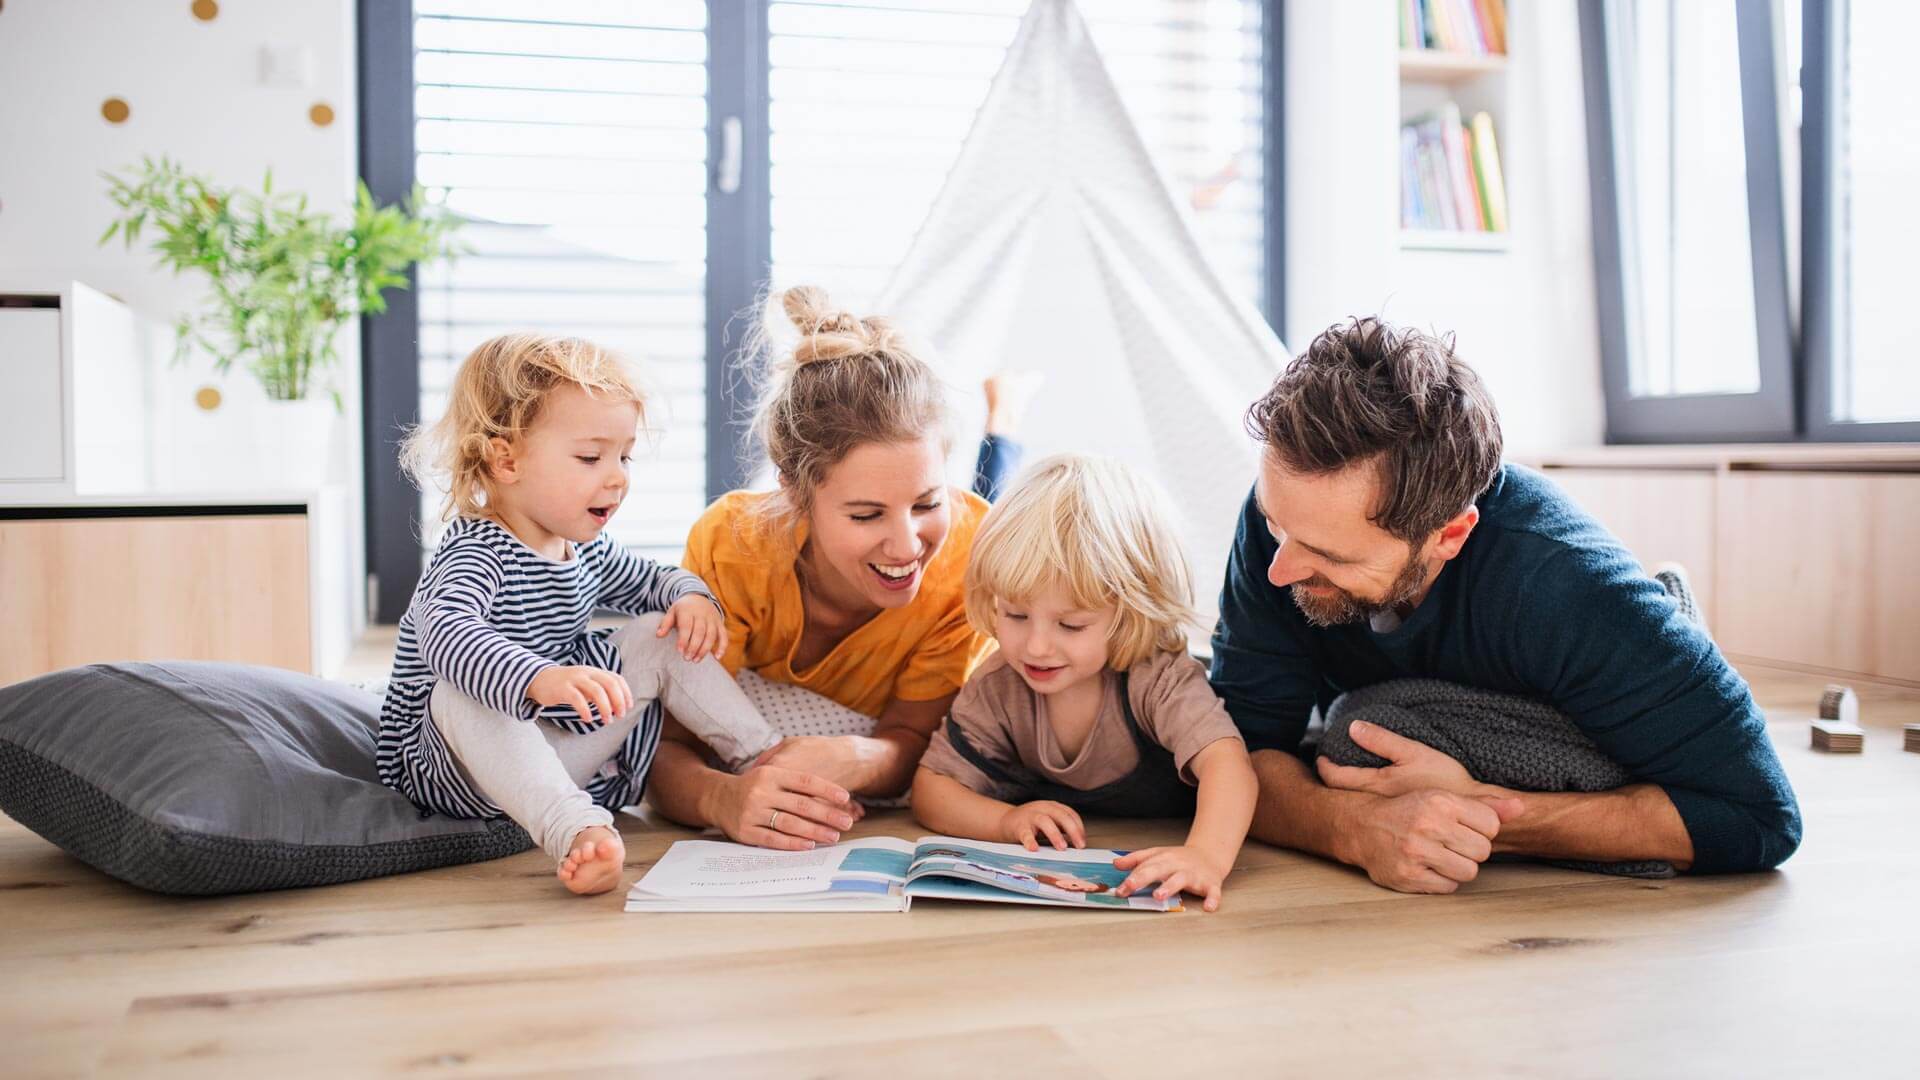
(844, 582)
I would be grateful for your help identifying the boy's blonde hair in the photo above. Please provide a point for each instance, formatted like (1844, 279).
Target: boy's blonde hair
(1103, 534)
(498, 393)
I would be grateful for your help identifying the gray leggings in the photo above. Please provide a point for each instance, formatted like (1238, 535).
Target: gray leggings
(536, 772)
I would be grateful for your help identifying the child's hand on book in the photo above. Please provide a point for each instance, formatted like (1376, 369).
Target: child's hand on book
(584, 688)
(1177, 869)
(1057, 822)
(702, 630)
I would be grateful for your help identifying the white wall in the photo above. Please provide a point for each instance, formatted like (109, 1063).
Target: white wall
(1525, 318)
(196, 94)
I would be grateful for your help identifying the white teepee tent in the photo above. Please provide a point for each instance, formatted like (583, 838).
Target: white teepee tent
(1056, 246)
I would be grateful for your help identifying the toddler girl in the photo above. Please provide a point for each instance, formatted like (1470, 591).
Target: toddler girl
(502, 701)
(1091, 704)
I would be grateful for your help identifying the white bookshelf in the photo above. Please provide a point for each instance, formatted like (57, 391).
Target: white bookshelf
(1428, 80)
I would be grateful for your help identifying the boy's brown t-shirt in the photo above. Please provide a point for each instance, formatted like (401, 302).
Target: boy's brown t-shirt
(1007, 723)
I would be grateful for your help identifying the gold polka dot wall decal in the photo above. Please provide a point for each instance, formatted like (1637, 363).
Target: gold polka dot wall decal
(205, 10)
(115, 110)
(321, 115)
(207, 397)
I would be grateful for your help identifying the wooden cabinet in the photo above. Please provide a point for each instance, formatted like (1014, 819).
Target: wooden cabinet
(1820, 569)
(82, 585)
(1802, 555)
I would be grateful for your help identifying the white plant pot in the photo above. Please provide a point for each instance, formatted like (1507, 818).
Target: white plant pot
(294, 443)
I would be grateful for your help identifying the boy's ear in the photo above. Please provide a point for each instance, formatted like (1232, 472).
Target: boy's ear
(501, 464)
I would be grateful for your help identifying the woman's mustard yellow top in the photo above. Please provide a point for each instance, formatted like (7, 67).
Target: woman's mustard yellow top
(919, 652)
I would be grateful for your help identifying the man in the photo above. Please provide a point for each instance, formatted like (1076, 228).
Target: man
(1384, 539)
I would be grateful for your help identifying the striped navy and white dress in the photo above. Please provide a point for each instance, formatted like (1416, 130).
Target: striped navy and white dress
(491, 613)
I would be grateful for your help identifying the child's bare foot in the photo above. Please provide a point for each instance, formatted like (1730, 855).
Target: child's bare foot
(1008, 395)
(593, 866)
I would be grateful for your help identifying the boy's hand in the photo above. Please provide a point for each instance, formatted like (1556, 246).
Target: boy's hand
(1176, 869)
(702, 630)
(582, 687)
(1026, 823)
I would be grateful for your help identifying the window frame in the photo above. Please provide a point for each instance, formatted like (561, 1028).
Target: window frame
(739, 256)
(1822, 304)
(1768, 414)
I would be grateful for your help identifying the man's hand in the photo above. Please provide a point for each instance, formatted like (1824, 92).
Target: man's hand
(1411, 766)
(1425, 841)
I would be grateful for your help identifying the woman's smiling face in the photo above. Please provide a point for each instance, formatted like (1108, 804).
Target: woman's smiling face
(878, 518)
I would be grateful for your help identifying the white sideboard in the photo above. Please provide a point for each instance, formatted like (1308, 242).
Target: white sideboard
(122, 537)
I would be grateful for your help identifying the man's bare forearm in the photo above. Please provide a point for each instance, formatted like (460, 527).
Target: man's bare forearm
(1630, 823)
(1297, 811)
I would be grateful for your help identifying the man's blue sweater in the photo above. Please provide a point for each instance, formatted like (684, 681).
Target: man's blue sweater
(1542, 602)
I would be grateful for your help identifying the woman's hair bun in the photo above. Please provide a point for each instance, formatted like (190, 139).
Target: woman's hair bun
(830, 333)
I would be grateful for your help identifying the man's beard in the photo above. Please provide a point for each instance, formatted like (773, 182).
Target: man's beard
(1344, 607)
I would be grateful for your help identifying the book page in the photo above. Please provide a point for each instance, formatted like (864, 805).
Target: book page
(708, 868)
(1083, 877)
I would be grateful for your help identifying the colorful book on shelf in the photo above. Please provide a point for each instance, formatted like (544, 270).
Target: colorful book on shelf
(1452, 133)
(1412, 206)
(1466, 19)
(1444, 213)
(1450, 174)
(1486, 163)
(1444, 37)
(1473, 27)
(1493, 14)
(882, 874)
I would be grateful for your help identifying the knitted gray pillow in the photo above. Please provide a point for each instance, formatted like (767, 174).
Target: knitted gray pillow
(1498, 738)
(198, 778)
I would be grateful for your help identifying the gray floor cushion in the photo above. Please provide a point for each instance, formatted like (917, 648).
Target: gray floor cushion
(197, 778)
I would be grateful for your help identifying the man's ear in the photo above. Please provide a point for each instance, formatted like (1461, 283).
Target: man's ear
(1453, 535)
(502, 466)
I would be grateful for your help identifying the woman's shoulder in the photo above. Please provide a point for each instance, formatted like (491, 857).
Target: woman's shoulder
(947, 574)
(735, 527)
(968, 509)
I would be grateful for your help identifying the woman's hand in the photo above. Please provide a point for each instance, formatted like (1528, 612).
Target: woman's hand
(582, 688)
(1027, 823)
(1177, 869)
(702, 629)
(772, 807)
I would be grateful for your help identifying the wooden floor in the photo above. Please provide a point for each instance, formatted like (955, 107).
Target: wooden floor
(491, 970)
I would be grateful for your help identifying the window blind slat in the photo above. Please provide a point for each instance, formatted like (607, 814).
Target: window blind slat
(572, 135)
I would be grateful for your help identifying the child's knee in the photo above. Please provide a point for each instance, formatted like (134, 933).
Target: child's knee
(641, 640)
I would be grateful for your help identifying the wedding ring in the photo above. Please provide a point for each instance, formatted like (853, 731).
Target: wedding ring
(773, 821)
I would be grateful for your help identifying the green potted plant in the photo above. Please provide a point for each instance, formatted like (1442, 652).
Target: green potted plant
(284, 278)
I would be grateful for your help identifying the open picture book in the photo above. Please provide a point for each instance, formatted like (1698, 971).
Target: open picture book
(882, 874)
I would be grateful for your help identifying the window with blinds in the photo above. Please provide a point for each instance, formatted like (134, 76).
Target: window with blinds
(871, 100)
(572, 136)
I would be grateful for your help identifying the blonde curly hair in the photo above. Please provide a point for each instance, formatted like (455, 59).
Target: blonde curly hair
(498, 393)
(1102, 533)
